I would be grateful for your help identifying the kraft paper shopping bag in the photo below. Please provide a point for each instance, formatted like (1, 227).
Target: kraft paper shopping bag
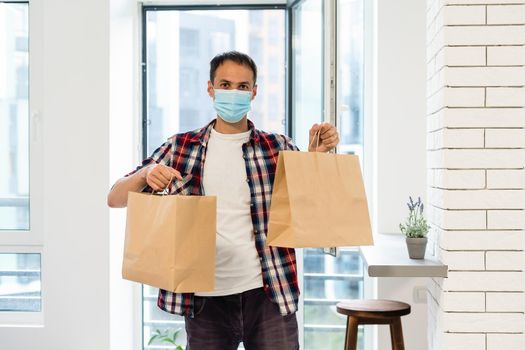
(318, 200)
(170, 242)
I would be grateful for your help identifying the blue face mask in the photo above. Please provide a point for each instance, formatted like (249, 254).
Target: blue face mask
(232, 105)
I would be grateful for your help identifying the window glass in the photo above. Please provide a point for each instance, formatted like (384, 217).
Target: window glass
(307, 69)
(20, 282)
(14, 120)
(327, 280)
(180, 45)
(350, 77)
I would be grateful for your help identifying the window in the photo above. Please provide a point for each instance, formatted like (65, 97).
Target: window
(176, 80)
(189, 41)
(175, 100)
(327, 280)
(14, 117)
(350, 76)
(20, 282)
(20, 287)
(179, 46)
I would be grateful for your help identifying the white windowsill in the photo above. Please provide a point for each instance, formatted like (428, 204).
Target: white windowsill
(388, 257)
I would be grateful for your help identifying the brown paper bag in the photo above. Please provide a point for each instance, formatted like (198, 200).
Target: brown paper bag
(170, 242)
(318, 200)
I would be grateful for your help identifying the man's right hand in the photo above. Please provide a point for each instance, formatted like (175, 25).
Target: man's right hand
(156, 176)
(159, 176)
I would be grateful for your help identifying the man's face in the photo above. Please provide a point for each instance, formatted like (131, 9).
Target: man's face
(230, 75)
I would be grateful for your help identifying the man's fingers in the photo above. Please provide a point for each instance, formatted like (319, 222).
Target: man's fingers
(175, 173)
(164, 175)
(330, 140)
(155, 184)
(314, 129)
(327, 129)
(331, 145)
(160, 181)
(169, 173)
(164, 170)
(328, 134)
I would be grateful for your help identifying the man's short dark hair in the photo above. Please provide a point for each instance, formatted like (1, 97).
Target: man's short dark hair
(235, 56)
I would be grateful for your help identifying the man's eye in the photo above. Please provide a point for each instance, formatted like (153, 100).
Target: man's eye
(243, 87)
(223, 85)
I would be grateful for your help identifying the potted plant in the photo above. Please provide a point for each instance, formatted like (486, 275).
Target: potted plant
(167, 336)
(415, 230)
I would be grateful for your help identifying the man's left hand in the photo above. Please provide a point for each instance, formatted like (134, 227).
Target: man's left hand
(328, 138)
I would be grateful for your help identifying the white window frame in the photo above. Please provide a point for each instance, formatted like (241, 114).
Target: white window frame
(31, 241)
(329, 115)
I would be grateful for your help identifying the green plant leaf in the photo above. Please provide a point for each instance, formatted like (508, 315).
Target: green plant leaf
(168, 340)
(175, 334)
(153, 338)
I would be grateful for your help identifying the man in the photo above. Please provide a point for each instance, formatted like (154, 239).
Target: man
(256, 290)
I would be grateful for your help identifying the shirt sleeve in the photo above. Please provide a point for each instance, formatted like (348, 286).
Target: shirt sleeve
(162, 155)
(289, 145)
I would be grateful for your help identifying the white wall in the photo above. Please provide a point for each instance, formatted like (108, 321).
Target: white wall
(124, 133)
(401, 71)
(73, 51)
(399, 147)
(476, 138)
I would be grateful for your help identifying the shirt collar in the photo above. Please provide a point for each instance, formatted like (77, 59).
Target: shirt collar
(203, 135)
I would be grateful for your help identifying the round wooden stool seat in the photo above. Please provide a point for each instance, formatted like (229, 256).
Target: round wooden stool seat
(373, 307)
(373, 311)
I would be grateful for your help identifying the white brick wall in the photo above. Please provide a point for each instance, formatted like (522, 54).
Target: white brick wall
(505, 341)
(505, 55)
(511, 14)
(504, 302)
(506, 178)
(476, 176)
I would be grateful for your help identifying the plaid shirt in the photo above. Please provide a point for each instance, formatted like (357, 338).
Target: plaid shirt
(186, 153)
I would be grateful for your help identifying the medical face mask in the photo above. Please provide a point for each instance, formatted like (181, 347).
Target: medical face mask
(232, 105)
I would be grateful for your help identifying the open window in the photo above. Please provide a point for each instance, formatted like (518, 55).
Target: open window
(303, 79)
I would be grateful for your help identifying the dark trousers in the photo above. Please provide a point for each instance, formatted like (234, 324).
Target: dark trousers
(223, 322)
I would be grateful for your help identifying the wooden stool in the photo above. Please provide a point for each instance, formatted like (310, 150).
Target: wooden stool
(373, 312)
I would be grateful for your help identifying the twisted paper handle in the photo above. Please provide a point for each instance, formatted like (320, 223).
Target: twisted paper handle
(318, 134)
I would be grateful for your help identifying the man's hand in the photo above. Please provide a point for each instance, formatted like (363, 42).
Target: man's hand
(328, 137)
(159, 176)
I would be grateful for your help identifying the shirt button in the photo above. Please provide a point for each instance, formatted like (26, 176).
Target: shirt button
(266, 286)
(247, 180)
(251, 204)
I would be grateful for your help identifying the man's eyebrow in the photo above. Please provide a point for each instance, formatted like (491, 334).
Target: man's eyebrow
(227, 81)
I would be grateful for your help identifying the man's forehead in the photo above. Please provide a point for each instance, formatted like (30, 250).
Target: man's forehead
(234, 72)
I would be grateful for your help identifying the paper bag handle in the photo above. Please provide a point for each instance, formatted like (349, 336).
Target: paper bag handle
(318, 134)
(333, 251)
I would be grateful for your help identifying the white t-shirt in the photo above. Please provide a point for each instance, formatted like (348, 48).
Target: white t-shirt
(237, 265)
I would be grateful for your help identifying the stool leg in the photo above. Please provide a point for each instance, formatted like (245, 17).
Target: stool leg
(396, 334)
(351, 333)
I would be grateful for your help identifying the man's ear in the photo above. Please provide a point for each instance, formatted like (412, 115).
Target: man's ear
(254, 91)
(210, 89)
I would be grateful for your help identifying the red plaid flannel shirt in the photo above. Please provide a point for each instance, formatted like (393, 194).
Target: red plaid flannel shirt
(186, 153)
